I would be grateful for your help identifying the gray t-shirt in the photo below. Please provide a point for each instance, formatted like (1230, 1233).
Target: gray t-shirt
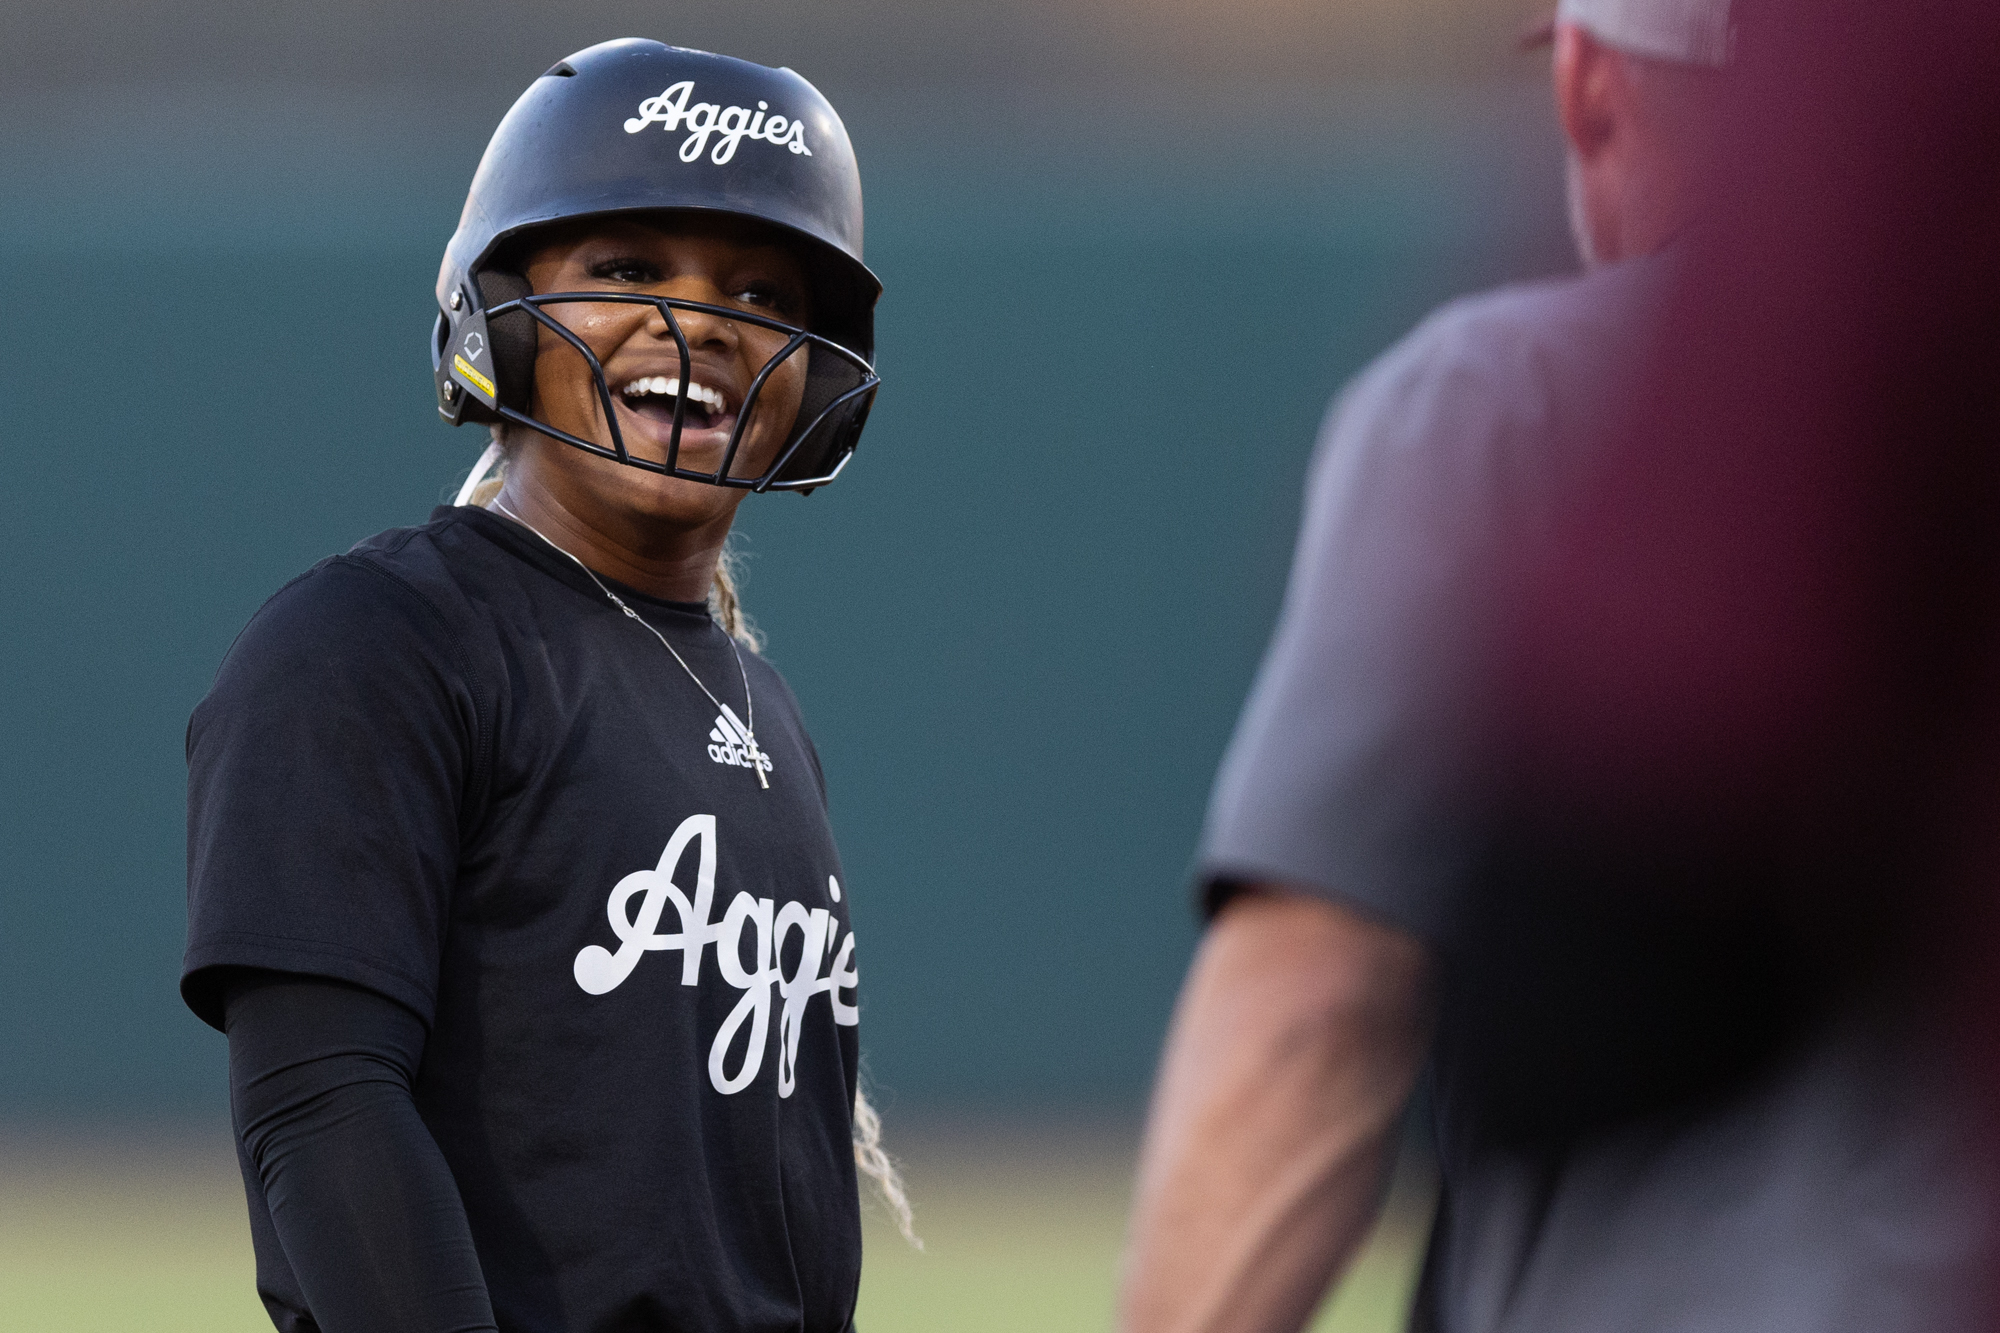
(1634, 1132)
(1348, 769)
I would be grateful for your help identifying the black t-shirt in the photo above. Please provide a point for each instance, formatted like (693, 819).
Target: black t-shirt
(444, 767)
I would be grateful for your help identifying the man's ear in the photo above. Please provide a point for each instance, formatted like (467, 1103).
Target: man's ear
(1588, 83)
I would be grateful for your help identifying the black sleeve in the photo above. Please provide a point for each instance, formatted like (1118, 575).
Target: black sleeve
(362, 1201)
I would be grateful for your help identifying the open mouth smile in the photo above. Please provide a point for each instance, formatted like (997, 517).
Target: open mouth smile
(650, 398)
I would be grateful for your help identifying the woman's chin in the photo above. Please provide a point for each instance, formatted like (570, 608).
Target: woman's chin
(622, 494)
(701, 451)
(675, 501)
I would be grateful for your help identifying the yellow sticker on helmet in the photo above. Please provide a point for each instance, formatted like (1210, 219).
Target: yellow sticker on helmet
(464, 367)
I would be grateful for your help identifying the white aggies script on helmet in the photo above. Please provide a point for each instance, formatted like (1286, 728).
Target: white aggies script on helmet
(670, 111)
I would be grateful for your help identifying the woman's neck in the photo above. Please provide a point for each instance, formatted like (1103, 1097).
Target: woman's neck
(673, 564)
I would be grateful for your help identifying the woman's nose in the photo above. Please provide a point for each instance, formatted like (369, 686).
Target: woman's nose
(700, 328)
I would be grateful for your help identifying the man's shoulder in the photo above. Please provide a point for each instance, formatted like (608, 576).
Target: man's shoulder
(1510, 361)
(1526, 324)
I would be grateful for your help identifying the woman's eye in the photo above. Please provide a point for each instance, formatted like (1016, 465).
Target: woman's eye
(770, 295)
(636, 271)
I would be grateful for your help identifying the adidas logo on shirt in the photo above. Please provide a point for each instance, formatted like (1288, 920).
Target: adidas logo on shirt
(729, 741)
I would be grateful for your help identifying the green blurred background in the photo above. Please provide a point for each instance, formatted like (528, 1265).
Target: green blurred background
(1130, 249)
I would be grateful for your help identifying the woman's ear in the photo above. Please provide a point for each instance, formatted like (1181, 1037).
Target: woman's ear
(515, 336)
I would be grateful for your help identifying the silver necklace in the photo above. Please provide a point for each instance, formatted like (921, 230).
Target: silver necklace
(749, 704)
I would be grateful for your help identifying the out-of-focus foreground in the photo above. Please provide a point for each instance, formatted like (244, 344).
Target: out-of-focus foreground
(109, 1231)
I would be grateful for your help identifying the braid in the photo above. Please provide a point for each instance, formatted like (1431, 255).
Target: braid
(875, 1163)
(484, 493)
(727, 608)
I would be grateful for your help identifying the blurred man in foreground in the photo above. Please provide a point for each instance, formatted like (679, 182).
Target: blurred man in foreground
(1675, 969)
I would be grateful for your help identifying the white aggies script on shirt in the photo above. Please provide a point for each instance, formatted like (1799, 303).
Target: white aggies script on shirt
(598, 970)
(670, 111)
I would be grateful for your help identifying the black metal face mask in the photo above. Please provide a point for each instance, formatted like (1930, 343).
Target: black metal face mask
(791, 425)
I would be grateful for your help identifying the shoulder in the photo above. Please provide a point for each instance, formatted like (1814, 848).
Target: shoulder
(440, 563)
(1488, 392)
(1511, 326)
(774, 692)
(1502, 355)
(424, 579)
(388, 585)
(387, 607)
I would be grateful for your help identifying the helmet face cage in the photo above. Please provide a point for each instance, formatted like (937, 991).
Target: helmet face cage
(833, 426)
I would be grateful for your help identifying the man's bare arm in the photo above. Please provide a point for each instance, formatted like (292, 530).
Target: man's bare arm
(1296, 1041)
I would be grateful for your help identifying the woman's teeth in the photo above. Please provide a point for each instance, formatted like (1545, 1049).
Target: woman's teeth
(659, 386)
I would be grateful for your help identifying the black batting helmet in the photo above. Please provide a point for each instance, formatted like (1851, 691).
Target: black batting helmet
(633, 126)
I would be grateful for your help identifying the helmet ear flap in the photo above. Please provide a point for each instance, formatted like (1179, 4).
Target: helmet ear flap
(831, 415)
(515, 336)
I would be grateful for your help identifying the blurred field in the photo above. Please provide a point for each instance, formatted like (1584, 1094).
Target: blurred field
(1022, 1231)
(109, 1232)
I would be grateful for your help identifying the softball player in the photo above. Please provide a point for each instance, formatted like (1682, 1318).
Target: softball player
(510, 874)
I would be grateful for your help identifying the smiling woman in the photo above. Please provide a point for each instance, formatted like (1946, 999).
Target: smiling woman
(432, 771)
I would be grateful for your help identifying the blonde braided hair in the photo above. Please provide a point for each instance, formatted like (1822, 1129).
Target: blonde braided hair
(870, 1157)
(874, 1162)
(725, 606)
